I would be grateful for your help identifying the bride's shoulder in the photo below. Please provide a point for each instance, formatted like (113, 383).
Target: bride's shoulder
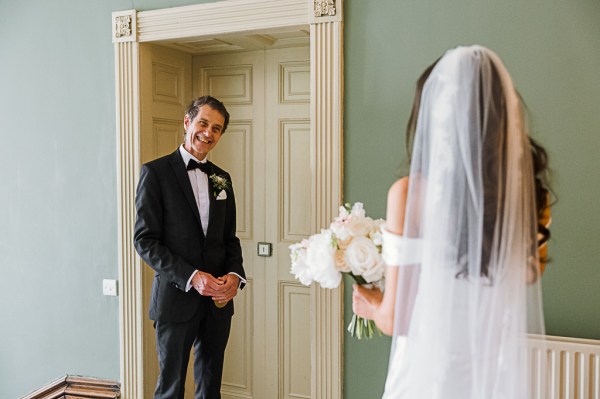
(399, 189)
(396, 206)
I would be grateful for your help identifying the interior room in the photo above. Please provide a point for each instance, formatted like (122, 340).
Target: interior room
(84, 106)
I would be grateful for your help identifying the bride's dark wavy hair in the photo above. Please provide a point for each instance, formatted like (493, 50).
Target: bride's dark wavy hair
(538, 154)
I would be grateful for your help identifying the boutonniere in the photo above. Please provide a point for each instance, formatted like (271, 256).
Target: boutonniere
(219, 183)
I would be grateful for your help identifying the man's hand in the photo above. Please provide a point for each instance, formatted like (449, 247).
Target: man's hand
(206, 284)
(229, 289)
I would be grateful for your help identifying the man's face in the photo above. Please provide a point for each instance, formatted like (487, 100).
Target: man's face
(203, 133)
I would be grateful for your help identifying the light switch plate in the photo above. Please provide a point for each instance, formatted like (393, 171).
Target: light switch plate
(109, 287)
(264, 249)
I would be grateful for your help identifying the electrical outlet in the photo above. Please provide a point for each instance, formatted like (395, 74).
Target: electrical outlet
(109, 287)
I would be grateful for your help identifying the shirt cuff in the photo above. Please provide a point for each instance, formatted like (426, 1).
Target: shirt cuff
(242, 280)
(188, 286)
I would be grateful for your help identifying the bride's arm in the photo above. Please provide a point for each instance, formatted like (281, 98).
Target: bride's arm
(371, 303)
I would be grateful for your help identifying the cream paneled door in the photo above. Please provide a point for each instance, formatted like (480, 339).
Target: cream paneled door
(165, 91)
(267, 151)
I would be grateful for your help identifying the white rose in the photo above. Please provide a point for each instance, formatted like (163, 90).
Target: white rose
(340, 262)
(359, 227)
(320, 258)
(299, 268)
(343, 244)
(375, 274)
(339, 229)
(363, 258)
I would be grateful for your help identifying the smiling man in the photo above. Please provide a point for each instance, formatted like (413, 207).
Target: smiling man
(185, 231)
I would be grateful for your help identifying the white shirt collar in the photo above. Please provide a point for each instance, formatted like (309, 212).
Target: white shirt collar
(187, 156)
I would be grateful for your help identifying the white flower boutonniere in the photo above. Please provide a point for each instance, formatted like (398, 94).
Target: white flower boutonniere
(219, 183)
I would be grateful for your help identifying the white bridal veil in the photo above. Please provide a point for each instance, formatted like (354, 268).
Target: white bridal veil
(469, 246)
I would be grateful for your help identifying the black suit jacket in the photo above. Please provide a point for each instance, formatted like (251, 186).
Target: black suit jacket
(169, 237)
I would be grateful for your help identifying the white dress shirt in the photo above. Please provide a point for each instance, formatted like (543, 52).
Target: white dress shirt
(199, 181)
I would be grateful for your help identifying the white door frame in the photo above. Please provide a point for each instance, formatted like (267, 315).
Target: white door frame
(129, 29)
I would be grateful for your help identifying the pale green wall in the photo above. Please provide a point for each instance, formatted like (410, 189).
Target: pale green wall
(552, 49)
(58, 191)
(58, 217)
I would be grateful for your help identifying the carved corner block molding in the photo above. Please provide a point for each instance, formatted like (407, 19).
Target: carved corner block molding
(74, 387)
(124, 27)
(324, 8)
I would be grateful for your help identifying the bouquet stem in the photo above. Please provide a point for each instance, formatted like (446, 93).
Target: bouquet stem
(360, 327)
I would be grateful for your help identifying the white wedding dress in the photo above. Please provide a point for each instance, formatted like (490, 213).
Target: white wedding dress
(452, 378)
(464, 303)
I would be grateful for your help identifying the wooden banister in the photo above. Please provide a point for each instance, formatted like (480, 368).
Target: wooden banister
(77, 387)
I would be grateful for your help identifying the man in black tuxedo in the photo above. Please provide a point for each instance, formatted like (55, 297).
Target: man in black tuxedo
(185, 231)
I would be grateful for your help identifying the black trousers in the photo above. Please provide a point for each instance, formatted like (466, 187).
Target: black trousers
(174, 341)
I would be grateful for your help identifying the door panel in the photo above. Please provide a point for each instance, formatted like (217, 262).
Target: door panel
(288, 197)
(295, 193)
(267, 151)
(165, 91)
(235, 146)
(238, 80)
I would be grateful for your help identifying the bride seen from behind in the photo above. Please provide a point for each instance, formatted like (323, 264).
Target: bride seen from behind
(465, 238)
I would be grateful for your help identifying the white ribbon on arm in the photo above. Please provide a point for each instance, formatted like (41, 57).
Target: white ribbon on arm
(399, 250)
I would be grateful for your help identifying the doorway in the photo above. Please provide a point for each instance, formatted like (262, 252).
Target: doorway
(266, 149)
(189, 26)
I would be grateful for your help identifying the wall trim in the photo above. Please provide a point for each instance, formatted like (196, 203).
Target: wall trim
(230, 16)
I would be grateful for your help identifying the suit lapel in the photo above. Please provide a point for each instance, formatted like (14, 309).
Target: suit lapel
(184, 182)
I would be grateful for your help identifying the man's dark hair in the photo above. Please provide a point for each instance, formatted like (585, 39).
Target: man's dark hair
(194, 107)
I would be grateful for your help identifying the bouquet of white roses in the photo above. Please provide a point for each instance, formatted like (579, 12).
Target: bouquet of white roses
(351, 244)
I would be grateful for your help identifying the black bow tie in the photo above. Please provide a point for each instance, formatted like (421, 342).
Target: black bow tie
(204, 167)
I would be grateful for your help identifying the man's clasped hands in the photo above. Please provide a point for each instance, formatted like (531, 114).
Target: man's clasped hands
(221, 289)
